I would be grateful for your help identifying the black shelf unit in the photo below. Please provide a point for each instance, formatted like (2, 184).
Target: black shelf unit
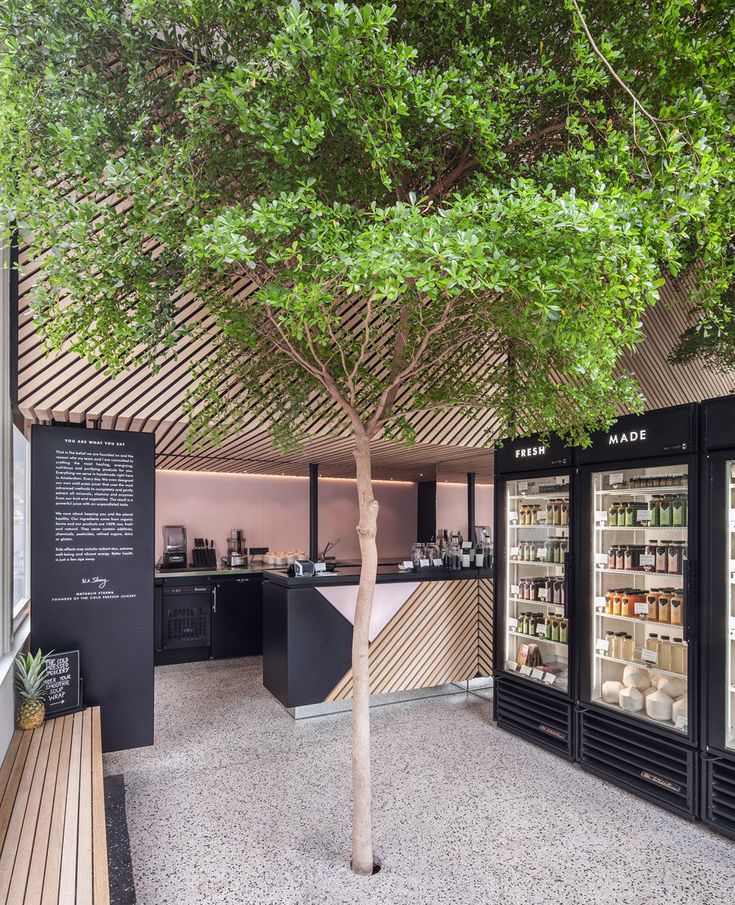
(526, 705)
(656, 760)
(717, 435)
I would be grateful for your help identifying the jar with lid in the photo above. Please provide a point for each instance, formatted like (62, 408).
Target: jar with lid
(560, 592)
(630, 558)
(620, 558)
(664, 652)
(555, 629)
(609, 601)
(564, 631)
(648, 559)
(678, 656)
(627, 648)
(664, 607)
(564, 512)
(665, 512)
(617, 603)
(652, 601)
(563, 551)
(655, 508)
(619, 646)
(626, 603)
(612, 515)
(652, 642)
(662, 557)
(610, 638)
(674, 557)
(630, 515)
(417, 554)
(556, 512)
(676, 604)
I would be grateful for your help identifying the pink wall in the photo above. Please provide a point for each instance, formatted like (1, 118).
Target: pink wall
(451, 506)
(273, 511)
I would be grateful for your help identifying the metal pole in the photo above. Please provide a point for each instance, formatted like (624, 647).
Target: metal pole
(313, 511)
(471, 475)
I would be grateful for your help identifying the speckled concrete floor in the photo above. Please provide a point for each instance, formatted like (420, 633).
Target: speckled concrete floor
(237, 804)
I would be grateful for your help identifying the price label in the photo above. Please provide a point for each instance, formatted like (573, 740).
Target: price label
(601, 517)
(541, 629)
(526, 670)
(511, 666)
(641, 609)
(515, 591)
(543, 593)
(522, 486)
(600, 603)
(438, 563)
(682, 723)
(649, 656)
(541, 517)
(732, 566)
(513, 517)
(602, 645)
(541, 556)
(559, 612)
(560, 479)
(643, 515)
(537, 673)
(466, 544)
(514, 551)
(407, 564)
(732, 519)
(645, 559)
(601, 559)
(549, 678)
(512, 623)
(423, 563)
(616, 478)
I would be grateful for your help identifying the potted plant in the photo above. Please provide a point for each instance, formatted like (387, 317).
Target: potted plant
(30, 683)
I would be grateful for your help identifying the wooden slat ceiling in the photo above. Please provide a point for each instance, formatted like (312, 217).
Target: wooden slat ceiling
(64, 388)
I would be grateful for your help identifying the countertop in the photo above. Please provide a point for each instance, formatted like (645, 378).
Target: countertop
(351, 576)
(195, 572)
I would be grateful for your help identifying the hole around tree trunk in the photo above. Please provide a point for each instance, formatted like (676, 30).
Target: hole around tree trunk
(377, 864)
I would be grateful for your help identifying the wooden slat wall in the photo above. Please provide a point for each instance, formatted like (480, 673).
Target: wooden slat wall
(433, 640)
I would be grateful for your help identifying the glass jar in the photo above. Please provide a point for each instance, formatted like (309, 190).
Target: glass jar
(627, 648)
(609, 601)
(564, 631)
(652, 601)
(417, 554)
(665, 512)
(620, 558)
(648, 563)
(676, 604)
(664, 607)
(619, 645)
(612, 557)
(610, 638)
(555, 629)
(664, 652)
(662, 557)
(674, 558)
(652, 644)
(655, 508)
(564, 512)
(678, 657)
(630, 515)
(679, 512)
(627, 607)
(629, 558)
(617, 603)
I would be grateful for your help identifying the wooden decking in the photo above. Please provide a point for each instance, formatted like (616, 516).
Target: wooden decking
(53, 844)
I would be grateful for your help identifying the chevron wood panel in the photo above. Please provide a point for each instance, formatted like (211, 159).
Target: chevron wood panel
(431, 641)
(485, 627)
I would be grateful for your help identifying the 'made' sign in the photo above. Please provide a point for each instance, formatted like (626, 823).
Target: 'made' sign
(527, 452)
(627, 437)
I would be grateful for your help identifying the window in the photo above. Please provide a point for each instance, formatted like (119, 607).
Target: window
(21, 523)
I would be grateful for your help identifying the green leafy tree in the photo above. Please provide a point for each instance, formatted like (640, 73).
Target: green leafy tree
(444, 205)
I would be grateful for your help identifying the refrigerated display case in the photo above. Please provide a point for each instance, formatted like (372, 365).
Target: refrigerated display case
(635, 584)
(718, 567)
(534, 618)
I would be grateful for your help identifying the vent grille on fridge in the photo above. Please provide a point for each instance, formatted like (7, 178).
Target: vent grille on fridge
(721, 794)
(661, 770)
(187, 626)
(538, 716)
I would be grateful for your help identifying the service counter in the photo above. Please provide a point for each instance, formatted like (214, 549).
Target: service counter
(427, 629)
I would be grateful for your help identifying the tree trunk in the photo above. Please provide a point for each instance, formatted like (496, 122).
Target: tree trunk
(362, 831)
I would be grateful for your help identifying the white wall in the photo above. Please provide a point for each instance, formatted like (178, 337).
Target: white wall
(451, 506)
(273, 511)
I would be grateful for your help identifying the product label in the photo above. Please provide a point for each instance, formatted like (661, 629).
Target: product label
(616, 478)
(522, 486)
(601, 517)
(537, 673)
(541, 629)
(541, 517)
(514, 590)
(600, 603)
(645, 559)
(732, 519)
(541, 555)
(558, 612)
(513, 517)
(601, 559)
(438, 563)
(466, 544)
(511, 666)
(560, 479)
(512, 623)
(549, 678)
(641, 609)
(407, 564)
(423, 563)
(643, 515)
(682, 723)
(649, 656)
(526, 670)
(732, 567)
(543, 594)
(602, 645)
(514, 551)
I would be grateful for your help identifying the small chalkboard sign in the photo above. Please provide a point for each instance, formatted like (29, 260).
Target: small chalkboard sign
(63, 688)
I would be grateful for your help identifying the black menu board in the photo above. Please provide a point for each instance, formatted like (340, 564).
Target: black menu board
(92, 553)
(62, 683)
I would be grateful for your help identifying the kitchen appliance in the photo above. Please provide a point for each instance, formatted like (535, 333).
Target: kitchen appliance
(303, 568)
(237, 616)
(174, 547)
(718, 639)
(183, 624)
(534, 608)
(637, 502)
(236, 549)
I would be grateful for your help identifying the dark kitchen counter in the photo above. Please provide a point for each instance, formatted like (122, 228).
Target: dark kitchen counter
(199, 572)
(351, 576)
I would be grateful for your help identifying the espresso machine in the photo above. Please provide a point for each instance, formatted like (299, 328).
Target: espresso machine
(174, 547)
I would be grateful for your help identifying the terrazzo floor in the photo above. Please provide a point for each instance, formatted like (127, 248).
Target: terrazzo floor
(237, 804)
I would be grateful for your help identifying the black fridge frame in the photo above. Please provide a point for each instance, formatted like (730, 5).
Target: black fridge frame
(689, 584)
(544, 738)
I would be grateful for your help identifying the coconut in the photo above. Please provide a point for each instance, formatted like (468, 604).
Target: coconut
(636, 677)
(631, 699)
(611, 692)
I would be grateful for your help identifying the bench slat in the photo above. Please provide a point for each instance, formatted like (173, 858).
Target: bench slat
(37, 869)
(11, 790)
(84, 840)
(8, 762)
(56, 833)
(68, 884)
(99, 829)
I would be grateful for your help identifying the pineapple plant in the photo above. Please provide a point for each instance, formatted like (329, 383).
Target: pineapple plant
(30, 683)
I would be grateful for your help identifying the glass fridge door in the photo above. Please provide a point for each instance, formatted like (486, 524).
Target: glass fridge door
(641, 661)
(538, 518)
(730, 596)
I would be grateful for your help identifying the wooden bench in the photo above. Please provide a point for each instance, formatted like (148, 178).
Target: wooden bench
(53, 843)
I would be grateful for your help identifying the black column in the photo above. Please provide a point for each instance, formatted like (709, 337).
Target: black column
(313, 511)
(471, 506)
(425, 511)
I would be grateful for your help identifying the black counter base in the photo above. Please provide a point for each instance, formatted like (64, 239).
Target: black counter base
(538, 715)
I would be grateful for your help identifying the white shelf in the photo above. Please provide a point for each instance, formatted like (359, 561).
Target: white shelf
(633, 572)
(641, 665)
(639, 620)
(651, 491)
(641, 528)
(559, 606)
(535, 562)
(537, 638)
(541, 527)
(563, 489)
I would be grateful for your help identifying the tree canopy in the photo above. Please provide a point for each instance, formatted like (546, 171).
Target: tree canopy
(439, 203)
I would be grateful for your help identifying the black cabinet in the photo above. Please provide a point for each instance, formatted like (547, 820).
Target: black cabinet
(237, 616)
